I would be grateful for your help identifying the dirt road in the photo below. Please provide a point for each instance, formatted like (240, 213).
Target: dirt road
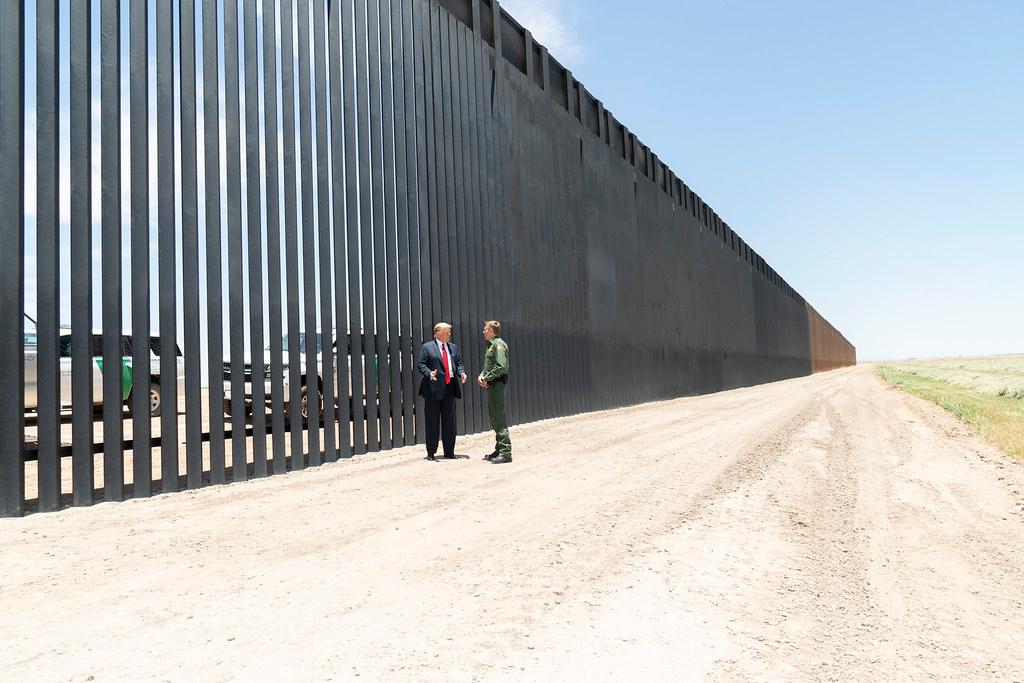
(825, 528)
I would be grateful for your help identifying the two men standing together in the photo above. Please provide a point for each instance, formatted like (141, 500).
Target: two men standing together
(440, 364)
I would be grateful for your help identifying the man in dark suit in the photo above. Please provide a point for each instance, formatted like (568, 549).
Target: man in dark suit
(440, 363)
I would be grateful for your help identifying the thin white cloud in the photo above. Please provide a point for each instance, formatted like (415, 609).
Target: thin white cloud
(553, 25)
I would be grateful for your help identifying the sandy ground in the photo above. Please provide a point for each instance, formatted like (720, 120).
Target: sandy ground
(824, 528)
(128, 465)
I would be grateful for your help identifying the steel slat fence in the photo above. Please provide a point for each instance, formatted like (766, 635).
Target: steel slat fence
(268, 205)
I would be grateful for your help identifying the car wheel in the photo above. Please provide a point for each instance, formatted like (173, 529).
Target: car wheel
(304, 403)
(154, 400)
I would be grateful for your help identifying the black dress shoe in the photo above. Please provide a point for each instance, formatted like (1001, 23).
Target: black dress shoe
(449, 457)
(431, 458)
(501, 459)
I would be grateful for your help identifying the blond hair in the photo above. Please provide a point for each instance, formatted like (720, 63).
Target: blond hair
(494, 326)
(441, 326)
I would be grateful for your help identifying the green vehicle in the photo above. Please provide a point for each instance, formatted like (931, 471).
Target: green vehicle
(127, 386)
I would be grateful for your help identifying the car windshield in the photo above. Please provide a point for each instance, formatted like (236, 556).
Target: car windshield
(302, 343)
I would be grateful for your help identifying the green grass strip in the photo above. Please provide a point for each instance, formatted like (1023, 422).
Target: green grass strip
(1000, 419)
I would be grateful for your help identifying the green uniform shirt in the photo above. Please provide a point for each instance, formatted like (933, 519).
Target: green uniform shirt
(495, 361)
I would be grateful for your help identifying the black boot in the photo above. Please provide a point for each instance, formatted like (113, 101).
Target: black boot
(489, 456)
(501, 459)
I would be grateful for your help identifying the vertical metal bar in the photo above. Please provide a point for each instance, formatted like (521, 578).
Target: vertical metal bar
(391, 387)
(379, 328)
(442, 132)
(236, 312)
(167, 239)
(12, 260)
(456, 225)
(212, 227)
(110, 191)
(495, 301)
(482, 180)
(520, 329)
(492, 309)
(466, 279)
(580, 337)
(435, 168)
(272, 194)
(405, 162)
(311, 368)
(341, 335)
(573, 350)
(503, 249)
(291, 233)
(422, 294)
(499, 149)
(537, 337)
(366, 215)
(353, 201)
(470, 277)
(579, 331)
(142, 425)
(476, 115)
(327, 325)
(47, 251)
(481, 287)
(448, 239)
(534, 326)
(81, 253)
(556, 336)
(254, 225)
(544, 389)
(190, 246)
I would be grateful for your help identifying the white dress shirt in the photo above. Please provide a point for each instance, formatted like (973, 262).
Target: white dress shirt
(442, 349)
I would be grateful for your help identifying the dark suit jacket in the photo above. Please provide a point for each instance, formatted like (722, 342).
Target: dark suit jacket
(430, 359)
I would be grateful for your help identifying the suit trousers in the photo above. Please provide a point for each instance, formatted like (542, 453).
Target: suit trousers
(440, 416)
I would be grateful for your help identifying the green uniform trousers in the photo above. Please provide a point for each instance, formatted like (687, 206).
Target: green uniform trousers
(499, 419)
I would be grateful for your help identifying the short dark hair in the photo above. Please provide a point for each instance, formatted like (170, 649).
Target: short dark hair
(494, 325)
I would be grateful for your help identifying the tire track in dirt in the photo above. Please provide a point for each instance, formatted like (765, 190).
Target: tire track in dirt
(823, 528)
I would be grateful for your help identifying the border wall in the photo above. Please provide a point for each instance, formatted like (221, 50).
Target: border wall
(240, 183)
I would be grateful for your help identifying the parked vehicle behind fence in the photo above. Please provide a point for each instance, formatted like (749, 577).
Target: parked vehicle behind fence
(127, 382)
(310, 381)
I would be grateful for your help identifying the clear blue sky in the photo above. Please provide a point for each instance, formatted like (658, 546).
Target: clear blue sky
(872, 152)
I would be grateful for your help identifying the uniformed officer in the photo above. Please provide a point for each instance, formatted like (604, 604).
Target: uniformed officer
(494, 379)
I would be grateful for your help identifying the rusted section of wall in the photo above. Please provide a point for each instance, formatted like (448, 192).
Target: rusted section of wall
(829, 348)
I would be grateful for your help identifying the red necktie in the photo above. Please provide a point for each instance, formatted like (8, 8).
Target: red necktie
(444, 359)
